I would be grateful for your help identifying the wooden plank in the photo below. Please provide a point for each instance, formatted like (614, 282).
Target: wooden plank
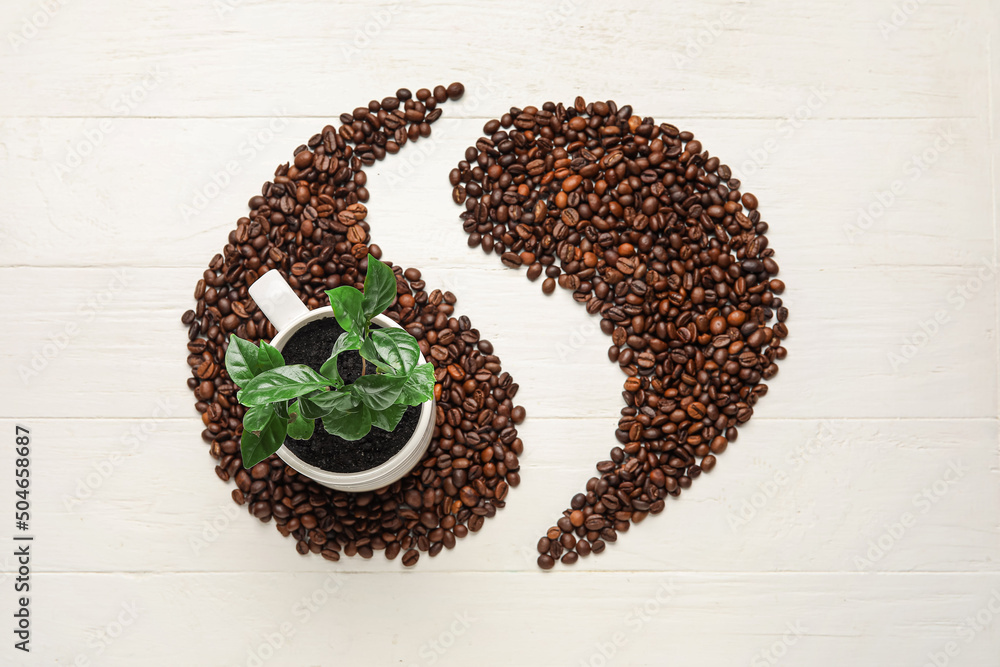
(81, 210)
(854, 360)
(565, 619)
(729, 60)
(140, 495)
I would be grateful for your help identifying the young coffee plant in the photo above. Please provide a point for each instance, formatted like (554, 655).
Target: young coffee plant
(286, 400)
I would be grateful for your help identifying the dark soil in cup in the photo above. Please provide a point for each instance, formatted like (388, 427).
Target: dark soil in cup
(311, 346)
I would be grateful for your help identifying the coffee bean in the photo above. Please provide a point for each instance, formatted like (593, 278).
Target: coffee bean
(513, 260)
(696, 410)
(469, 496)
(303, 159)
(598, 204)
(310, 223)
(205, 390)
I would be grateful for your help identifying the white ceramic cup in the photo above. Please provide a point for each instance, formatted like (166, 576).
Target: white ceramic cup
(287, 314)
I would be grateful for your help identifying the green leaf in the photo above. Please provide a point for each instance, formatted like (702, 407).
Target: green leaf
(378, 391)
(370, 354)
(388, 419)
(241, 360)
(299, 427)
(321, 403)
(347, 308)
(254, 447)
(351, 424)
(393, 347)
(256, 417)
(268, 358)
(348, 340)
(380, 287)
(281, 408)
(281, 384)
(419, 386)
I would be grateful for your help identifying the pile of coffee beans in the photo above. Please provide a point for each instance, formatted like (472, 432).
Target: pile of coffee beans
(652, 234)
(309, 223)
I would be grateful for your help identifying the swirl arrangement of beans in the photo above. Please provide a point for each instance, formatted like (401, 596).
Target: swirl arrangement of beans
(634, 218)
(653, 235)
(310, 224)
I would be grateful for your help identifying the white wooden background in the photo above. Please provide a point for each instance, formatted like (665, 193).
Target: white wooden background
(856, 520)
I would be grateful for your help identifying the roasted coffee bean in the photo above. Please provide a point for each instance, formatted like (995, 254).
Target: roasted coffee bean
(310, 223)
(511, 259)
(655, 236)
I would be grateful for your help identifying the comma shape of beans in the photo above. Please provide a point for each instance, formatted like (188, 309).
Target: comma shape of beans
(310, 223)
(653, 235)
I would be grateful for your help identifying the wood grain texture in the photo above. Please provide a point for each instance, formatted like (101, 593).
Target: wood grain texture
(554, 347)
(765, 508)
(858, 508)
(232, 618)
(273, 53)
(849, 224)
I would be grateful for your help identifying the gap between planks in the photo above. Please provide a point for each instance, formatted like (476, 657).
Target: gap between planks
(769, 420)
(702, 117)
(526, 571)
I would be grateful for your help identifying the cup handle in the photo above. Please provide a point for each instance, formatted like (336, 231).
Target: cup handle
(277, 301)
